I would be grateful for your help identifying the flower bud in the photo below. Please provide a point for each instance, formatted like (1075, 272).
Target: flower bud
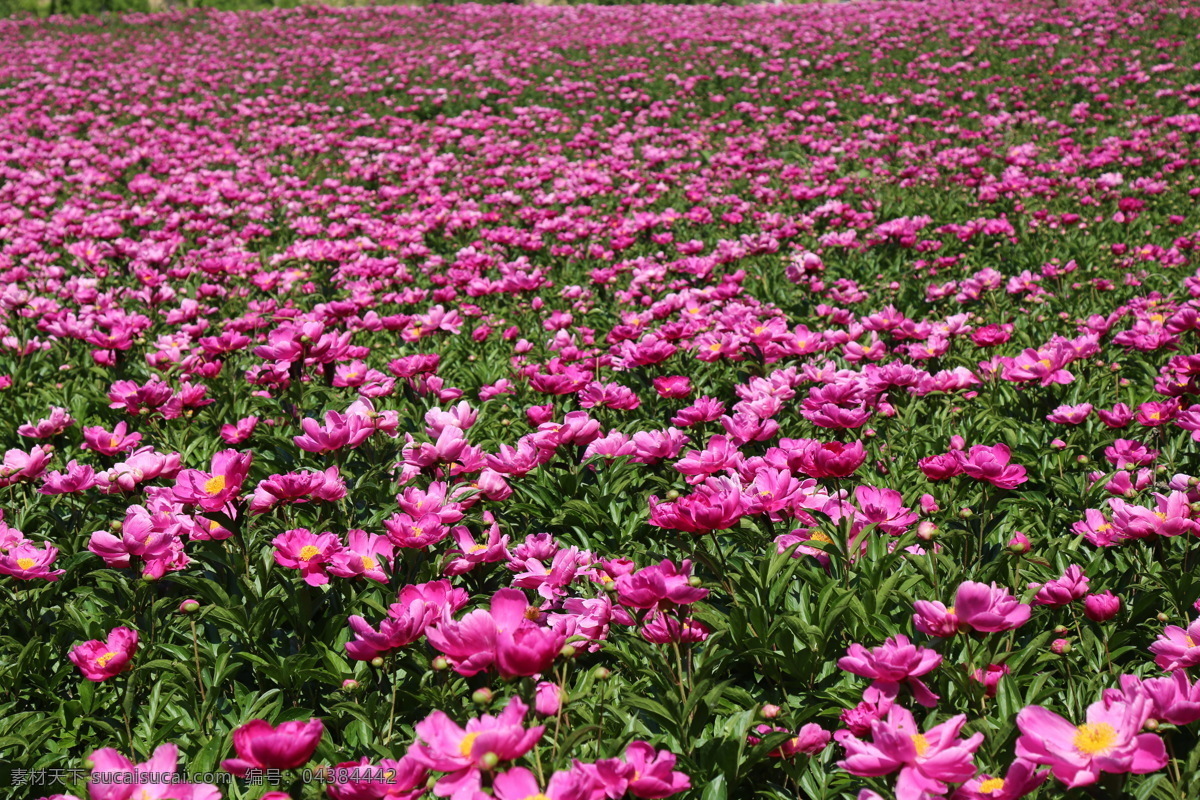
(377, 661)
(1101, 607)
(1061, 629)
(770, 711)
(482, 697)
(547, 699)
(568, 651)
(189, 606)
(694, 581)
(1060, 646)
(349, 684)
(601, 673)
(926, 530)
(1019, 543)
(1151, 724)
(965, 512)
(489, 760)
(440, 663)
(672, 495)
(1162, 617)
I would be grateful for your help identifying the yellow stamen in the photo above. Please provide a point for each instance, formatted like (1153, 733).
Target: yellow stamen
(991, 785)
(25, 563)
(103, 660)
(1095, 738)
(921, 743)
(308, 552)
(368, 562)
(215, 485)
(467, 743)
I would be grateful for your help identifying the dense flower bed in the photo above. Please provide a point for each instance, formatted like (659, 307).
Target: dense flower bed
(565, 404)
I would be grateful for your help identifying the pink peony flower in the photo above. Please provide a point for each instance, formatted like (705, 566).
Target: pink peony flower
(418, 607)
(1110, 741)
(894, 662)
(1178, 648)
(260, 745)
(308, 552)
(991, 464)
(115, 777)
(926, 761)
(1020, 780)
(99, 661)
(28, 562)
(1061, 591)
(221, 484)
(989, 609)
(464, 753)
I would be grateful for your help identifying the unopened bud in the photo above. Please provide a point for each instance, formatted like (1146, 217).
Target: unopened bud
(568, 651)
(1060, 646)
(926, 530)
(489, 761)
(189, 606)
(601, 673)
(694, 581)
(377, 661)
(672, 495)
(482, 697)
(770, 711)
(440, 663)
(1151, 724)
(965, 512)
(1162, 617)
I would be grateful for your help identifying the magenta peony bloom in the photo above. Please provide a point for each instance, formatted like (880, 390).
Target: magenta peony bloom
(654, 774)
(115, 777)
(935, 619)
(809, 740)
(659, 585)
(365, 555)
(989, 609)
(673, 387)
(942, 466)
(520, 784)
(27, 562)
(308, 552)
(418, 607)
(832, 459)
(504, 637)
(1178, 648)
(1020, 780)
(894, 662)
(260, 745)
(221, 484)
(926, 761)
(443, 746)
(990, 464)
(394, 779)
(990, 677)
(99, 661)
(1061, 591)
(1176, 700)
(1101, 607)
(109, 444)
(1110, 741)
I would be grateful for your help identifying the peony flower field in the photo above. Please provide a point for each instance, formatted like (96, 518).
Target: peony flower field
(583, 403)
